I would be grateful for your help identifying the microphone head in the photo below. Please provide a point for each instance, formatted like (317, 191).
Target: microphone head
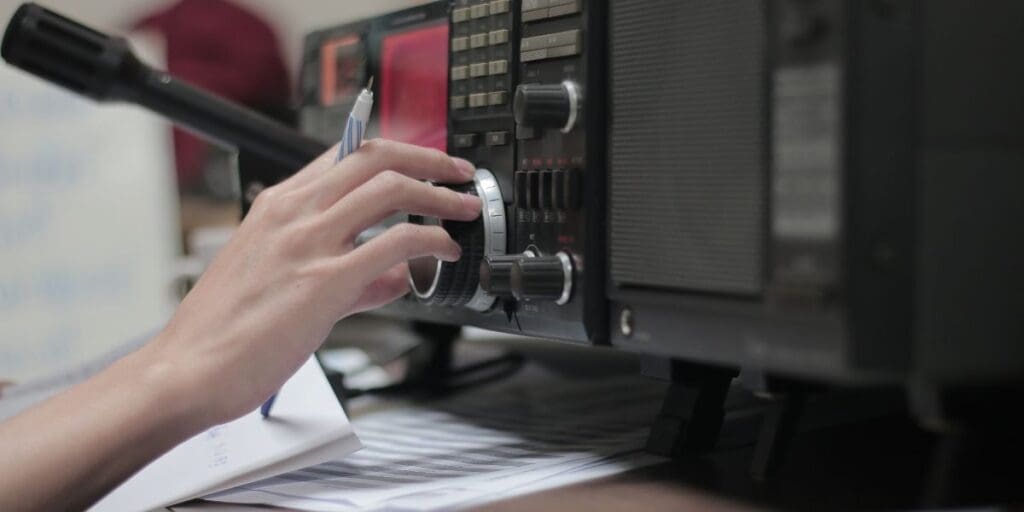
(67, 53)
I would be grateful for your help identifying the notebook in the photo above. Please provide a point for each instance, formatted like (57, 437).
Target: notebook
(307, 427)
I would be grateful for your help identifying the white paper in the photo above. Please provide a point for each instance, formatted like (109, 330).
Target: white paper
(480, 447)
(306, 427)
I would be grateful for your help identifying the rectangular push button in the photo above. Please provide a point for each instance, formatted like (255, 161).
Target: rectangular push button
(500, 6)
(497, 36)
(464, 140)
(460, 15)
(538, 14)
(568, 37)
(532, 189)
(497, 138)
(479, 11)
(478, 40)
(478, 69)
(459, 72)
(497, 67)
(460, 44)
(497, 98)
(533, 55)
(558, 189)
(546, 190)
(563, 51)
(478, 100)
(569, 7)
(458, 102)
(520, 189)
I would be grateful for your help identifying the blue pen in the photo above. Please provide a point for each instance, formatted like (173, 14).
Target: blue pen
(352, 138)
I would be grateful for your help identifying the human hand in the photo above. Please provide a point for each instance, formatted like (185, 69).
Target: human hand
(291, 271)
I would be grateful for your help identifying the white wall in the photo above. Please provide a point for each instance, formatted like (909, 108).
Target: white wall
(88, 226)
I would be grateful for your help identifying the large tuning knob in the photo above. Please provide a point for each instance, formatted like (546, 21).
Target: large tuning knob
(548, 105)
(457, 284)
(543, 278)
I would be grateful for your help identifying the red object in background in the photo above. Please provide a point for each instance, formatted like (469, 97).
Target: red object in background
(414, 87)
(223, 48)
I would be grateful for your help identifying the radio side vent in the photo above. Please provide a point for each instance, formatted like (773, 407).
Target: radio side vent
(688, 161)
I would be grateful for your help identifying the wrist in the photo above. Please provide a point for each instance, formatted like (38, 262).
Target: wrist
(163, 389)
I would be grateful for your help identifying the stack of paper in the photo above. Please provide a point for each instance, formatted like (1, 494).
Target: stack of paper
(486, 445)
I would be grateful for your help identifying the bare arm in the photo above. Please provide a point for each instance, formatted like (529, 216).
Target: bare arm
(72, 449)
(264, 305)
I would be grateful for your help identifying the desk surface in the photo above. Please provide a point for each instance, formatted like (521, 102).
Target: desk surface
(880, 463)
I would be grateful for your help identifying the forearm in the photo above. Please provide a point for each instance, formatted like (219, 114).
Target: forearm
(69, 451)
(289, 273)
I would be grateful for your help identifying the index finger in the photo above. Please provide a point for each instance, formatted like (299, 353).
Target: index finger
(313, 169)
(379, 155)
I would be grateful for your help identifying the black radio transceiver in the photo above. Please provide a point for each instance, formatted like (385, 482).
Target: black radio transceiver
(825, 189)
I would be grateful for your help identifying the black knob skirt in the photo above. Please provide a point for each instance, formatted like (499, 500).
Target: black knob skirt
(541, 278)
(456, 282)
(542, 105)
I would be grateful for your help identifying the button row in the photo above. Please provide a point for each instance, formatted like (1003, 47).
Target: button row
(534, 10)
(567, 37)
(481, 65)
(550, 53)
(468, 140)
(480, 11)
(550, 46)
(494, 37)
(480, 99)
(495, 67)
(549, 189)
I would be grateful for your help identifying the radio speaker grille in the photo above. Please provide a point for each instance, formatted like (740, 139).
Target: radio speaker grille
(687, 142)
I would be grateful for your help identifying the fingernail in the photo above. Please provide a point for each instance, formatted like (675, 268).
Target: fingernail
(455, 255)
(467, 168)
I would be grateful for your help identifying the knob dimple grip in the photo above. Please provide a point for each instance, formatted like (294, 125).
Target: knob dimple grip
(543, 105)
(457, 281)
(541, 278)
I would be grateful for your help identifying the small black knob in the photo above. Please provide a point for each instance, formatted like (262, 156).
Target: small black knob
(496, 274)
(547, 105)
(543, 278)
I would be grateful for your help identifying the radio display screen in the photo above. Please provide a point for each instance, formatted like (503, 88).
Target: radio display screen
(413, 94)
(342, 65)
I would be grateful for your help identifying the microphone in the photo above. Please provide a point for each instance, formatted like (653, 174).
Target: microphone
(104, 68)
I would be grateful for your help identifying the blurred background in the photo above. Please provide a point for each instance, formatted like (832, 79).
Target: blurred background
(105, 211)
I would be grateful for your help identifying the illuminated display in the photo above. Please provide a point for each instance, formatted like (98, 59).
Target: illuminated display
(413, 93)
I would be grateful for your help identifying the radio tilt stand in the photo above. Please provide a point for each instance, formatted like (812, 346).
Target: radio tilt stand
(693, 409)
